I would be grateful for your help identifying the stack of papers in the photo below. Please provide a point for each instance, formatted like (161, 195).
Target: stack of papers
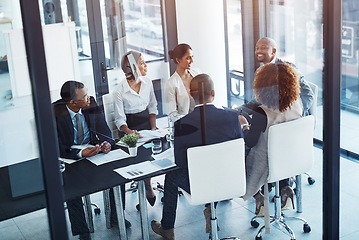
(146, 136)
(113, 155)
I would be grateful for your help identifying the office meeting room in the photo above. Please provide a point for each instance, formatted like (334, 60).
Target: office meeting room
(179, 119)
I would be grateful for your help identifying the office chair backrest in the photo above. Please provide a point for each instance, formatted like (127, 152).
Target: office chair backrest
(109, 108)
(216, 171)
(290, 148)
(313, 108)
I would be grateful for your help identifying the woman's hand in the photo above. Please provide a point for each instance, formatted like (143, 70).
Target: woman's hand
(242, 120)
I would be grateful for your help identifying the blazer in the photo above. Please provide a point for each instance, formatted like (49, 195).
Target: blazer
(221, 126)
(95, 119)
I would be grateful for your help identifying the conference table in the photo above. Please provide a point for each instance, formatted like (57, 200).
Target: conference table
(81, 179)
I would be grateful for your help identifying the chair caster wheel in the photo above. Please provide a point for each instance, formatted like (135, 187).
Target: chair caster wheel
(311, 180)
(254, 223)
(138, 207)
(258, 237)
(306, 228)
(97, 211)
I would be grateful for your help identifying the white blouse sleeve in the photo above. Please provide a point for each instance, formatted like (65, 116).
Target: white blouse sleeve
(152, 105)
(120, 116)
(170, 95)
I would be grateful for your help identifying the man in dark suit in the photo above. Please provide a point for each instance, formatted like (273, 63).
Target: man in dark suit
(221, 125)
(80, 121)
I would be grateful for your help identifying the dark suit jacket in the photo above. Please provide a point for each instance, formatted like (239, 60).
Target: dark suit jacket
(96, 123)
(221, 125)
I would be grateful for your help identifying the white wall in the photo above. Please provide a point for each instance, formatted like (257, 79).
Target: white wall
(200, 24)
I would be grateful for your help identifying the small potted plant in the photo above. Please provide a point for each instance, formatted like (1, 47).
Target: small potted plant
(131, 141)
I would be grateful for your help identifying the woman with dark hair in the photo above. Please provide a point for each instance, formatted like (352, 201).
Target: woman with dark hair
(135, 103)
(276, 88)
(179, 101)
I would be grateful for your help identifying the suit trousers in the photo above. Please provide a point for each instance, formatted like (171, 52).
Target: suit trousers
(77, 213)
(173, 180)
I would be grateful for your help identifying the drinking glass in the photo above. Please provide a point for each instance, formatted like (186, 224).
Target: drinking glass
(62, 165)
(156, 146)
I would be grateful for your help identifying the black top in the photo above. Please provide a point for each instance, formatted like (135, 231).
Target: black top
(258, 123)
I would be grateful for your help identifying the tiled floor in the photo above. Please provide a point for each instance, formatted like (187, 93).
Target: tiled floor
(234, 215)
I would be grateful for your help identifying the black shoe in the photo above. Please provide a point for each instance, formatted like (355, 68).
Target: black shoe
(152, 200)
(85, 236)
(114, 222)
(127, 224)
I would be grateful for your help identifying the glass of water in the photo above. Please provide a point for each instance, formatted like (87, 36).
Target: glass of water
(156, 146)
(62, 165)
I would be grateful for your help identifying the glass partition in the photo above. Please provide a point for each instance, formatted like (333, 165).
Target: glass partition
(22, 198)
(235, 51)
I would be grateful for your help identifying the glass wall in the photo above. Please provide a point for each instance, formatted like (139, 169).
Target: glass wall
(297, 29)
(21, 184)
(350, 77)
(349, 130)
(235, 52)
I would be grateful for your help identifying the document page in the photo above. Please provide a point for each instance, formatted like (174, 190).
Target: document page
(113, 155)
(137, 170)
(169, 154)
(68, 161)
(164, 163)
(148, 135)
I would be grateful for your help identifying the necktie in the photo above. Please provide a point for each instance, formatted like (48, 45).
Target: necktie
(80, 129)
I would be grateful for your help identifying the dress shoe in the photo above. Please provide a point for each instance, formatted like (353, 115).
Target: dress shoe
(151, 200)
(286, 194)
(127, 224)
(85, 236)
(259, 204)
(167, 234)
(207, 216)
(114, 222)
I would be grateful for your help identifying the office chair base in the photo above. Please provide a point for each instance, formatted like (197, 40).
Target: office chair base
(280, 221)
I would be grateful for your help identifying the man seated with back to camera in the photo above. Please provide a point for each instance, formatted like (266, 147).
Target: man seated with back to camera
(221, 126)
(81, 121)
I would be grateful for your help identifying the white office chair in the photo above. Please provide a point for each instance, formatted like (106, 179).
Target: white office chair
(313, 111)
(109, 109)
(224, 164)
(298, 179)
(290, 153)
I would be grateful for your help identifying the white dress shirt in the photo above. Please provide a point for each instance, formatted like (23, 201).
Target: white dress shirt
(127, 101)
(177, 96)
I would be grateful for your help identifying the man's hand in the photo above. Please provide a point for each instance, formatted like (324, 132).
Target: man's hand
(105, 147)
(91, 151)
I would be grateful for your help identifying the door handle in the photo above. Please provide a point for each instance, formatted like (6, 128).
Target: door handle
(104, 69)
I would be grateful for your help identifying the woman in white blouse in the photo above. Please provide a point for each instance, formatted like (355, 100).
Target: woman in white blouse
(134, 99)
(178, 100)
(135, 103)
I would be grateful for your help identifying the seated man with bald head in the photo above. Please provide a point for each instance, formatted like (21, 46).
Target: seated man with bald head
(221, 126)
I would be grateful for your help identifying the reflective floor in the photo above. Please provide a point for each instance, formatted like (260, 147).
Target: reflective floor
(233, 215)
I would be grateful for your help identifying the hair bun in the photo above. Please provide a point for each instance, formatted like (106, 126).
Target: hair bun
(170, 54)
